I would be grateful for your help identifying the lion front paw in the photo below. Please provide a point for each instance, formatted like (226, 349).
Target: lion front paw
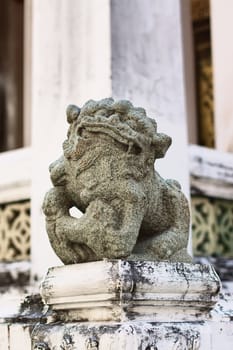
(57, 172)
(55, 203)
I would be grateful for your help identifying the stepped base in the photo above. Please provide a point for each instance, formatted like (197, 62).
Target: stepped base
(119, 290)
(124, 336)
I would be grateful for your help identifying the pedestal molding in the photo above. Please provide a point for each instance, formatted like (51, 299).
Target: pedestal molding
(124, 290)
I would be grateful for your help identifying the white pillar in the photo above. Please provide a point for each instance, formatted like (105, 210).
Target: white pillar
(222, 49)
(148, 69)
(70, 64)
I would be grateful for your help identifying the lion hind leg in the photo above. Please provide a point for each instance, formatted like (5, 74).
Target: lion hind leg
(181, 256)
(168, 246)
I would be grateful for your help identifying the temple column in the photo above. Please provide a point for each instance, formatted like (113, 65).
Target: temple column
(148, 68)
(221, 23)
(70, 64)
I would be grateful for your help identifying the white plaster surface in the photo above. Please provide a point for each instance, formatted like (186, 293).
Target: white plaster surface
(211, 172)
(189, 71)
(115, 336)
(15, 175)
(166, 290)
(222, 52)
(4, 337)
(19, 337)
(125, 336)
(185, 285)
(119, 290)
(15, 337)
(148, 69)
(70, 64)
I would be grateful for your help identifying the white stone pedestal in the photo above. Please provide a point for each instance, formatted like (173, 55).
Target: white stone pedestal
(128, 305)
(120, 290)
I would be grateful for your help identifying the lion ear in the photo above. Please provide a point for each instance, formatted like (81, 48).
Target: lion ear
(161, 144)
(72, 113)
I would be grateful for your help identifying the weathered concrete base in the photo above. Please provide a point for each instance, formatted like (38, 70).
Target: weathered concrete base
(118, 290)
(123, 336)
(130, 305)
(208, 335)
(148, 306)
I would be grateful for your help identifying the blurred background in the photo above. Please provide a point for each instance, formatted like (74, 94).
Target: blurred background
(172, 57)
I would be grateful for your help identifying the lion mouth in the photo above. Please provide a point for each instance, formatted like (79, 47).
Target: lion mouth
(123, 134)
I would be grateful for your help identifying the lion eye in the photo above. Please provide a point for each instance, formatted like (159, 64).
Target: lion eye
(135, 149)
(80, 131)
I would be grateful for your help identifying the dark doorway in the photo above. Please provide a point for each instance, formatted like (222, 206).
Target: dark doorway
(11, 74)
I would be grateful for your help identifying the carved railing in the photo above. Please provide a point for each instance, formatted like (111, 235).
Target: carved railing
(212, 202)
(212, 226)
(15, 193)
(15, 231)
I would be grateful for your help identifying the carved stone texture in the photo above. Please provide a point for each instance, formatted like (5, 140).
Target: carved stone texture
(107, 171)
(121, 290)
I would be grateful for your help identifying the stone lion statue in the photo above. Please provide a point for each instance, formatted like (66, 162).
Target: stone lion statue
(107, 171)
